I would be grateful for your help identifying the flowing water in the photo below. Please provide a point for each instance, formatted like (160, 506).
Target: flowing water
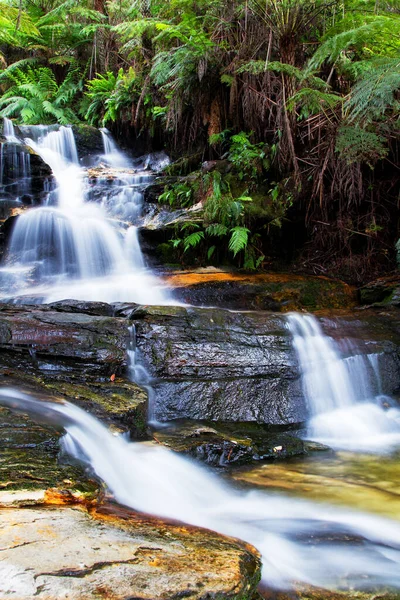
(71, 249)
(83, 244)
(299, 541)
(343, 393)
(112, 155)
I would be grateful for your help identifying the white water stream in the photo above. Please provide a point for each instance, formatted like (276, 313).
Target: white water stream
(71, 250)
(112, 155)
(343, 393)
(299, 541)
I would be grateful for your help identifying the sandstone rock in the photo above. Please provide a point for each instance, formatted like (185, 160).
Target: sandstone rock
(268, 291)
(54, 553)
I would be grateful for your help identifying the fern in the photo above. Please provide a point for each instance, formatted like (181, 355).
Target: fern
(192, 240)
(217, 229)
(368, 35)
(354, 144)
(375, 91)
(311, 102)
(239, 239)
(34, 96)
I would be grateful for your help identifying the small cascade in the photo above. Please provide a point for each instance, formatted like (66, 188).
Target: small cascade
(9, 131)
(122, 196)
(343, 393)
(139, 375)
(112, 155)
(61, 142)
(15, 168)
(300, 542)
(68, 248)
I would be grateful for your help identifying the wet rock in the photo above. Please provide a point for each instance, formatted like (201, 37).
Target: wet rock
(185, 164)
(159, 217)
(156, 161)
(29, 461)
(88, 140)
(382, 292)
(219, 365)
(59, 552)
(270, 291)
(226, 444)
(73, 339)
(223, 166)
(78, 306)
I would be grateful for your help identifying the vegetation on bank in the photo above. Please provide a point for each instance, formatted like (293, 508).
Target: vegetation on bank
(296, 101)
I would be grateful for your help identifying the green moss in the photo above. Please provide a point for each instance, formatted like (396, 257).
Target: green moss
(29, 458)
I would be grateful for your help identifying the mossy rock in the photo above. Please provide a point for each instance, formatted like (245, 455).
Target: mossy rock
(222, 444)
(88, 140)
(273, 291)
(29, 458)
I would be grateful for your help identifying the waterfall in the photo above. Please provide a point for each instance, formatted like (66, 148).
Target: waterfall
(343, 393)
(354, 549)
(71, 250)
(62, 143)
(112, 155)
(9, 131)
(15, 166)
(140, 376)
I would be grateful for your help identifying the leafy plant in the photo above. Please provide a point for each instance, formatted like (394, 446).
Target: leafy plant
(34, 96)
(355, 144)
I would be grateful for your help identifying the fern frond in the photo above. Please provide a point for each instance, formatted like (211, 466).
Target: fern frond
(239, 239)
(217, 229)
(375, 91)
(192, 240)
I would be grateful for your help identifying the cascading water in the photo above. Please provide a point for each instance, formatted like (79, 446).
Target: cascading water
(112, 155)
(71, 250)
(299, 541)
(9, 131)
(343, 394)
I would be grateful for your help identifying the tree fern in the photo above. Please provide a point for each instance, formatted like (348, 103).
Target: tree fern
(375, 91)
(355, 144)
(310, 102)
(366, 36)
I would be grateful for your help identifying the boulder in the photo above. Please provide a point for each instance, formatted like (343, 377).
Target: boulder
(78, 355)
(88, 140)
(53, 552)
(382, 292)
(226, 444)
(219, 365)
(75, 339)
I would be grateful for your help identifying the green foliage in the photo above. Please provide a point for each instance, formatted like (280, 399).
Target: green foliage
(311, 102)
(248, 159)
(108, 95)
(192, 240)
(34, 96)
(238, 240)
(375, 91)
(180, 195)
(355, 144)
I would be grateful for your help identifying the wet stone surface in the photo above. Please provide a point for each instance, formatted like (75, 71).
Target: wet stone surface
(229, 444)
